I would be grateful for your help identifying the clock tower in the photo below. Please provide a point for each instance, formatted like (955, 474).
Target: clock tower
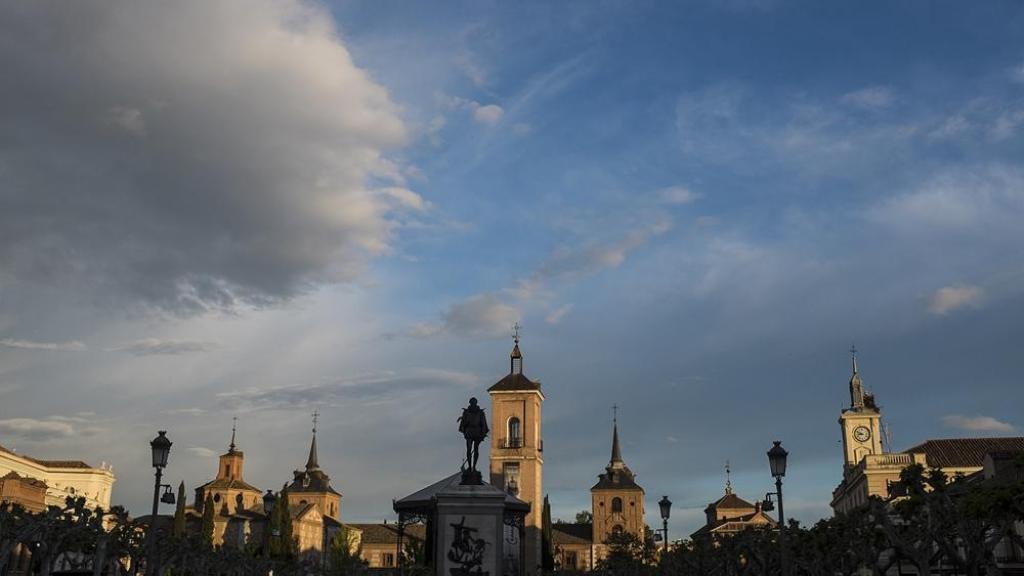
(861, 422)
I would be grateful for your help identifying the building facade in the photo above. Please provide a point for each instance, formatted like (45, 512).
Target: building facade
(869, 469)
(517, 448)
(616, 506)
(731, 514)
(63, 478)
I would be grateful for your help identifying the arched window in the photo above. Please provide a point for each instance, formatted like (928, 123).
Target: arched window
(616, 504)
(515, 433)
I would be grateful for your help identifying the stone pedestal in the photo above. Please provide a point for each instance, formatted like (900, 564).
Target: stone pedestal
(467, 527)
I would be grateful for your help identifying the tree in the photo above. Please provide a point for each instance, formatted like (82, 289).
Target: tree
(283, 544)
(345, 555)
(179, 513)
(208, 514)
(627, 555)
(547, 546)
(584, 517)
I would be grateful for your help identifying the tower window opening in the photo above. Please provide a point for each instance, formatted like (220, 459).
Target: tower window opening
(616, 504)
(515, 433)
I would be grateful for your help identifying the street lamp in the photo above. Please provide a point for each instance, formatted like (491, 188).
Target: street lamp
(666, 508)
(777, 462)
(161, 449)
(269, 502)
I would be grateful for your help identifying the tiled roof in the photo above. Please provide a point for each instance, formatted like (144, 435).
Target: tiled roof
(12, 475)
(388, 533)
(964, 452)
(227, 484)
(49, 463)
(572, 533)
(620, 479)
(731, 501)
(513, 382)
(312, 481)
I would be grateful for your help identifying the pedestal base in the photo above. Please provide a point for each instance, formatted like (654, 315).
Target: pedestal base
(472, 478)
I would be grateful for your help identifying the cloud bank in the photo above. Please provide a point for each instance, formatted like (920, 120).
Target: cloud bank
(191, 155)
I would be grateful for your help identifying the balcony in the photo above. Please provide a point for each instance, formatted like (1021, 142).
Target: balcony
(511, 443)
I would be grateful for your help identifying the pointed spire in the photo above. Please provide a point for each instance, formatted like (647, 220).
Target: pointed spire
(311, 462)
(856, 385)
(728, 479)
(234, 424)
(516, 358)
(616, 451)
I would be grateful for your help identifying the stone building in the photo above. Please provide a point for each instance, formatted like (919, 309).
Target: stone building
(62, 478)
(731, 514)
(378, 543)
(517, 447)
(617, 506)
(231, 494)
(869, 469)
(314, 504)
(27, 492)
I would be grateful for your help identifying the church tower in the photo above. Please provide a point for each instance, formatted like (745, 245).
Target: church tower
(861, 423)
(312, 486)
(617, 500)
(517, 447)
(231, 493)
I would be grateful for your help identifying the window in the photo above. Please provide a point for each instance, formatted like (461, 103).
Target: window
(570, 560)
(227, 470)
(616, 504)
(387, 559)
(510, 470)
(515, 433)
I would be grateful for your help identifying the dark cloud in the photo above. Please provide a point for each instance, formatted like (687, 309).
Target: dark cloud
(189, 156)
(364, 390)
(158, 347)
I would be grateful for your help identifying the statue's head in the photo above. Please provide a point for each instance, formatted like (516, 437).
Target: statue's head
(472, 401)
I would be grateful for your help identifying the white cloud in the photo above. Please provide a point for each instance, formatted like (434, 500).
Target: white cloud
(128, 119)
(976, 423)
(950, 298)
(158, 347)
(489, 114)
(1017, 73)
(203, 452)
(558, 314)
(872, 97)
(35, 430)
(71, 346)
(678, 195)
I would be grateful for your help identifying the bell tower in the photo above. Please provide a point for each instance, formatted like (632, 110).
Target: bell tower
(861, 423)
(517, 447)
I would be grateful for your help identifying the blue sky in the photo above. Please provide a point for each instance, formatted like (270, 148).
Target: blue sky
(692, 208)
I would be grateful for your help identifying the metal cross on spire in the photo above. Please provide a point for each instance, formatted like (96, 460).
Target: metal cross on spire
(234, 425)
(316, 416)
(853, 356)
(515, 332)
(615, 413)
(728, 478)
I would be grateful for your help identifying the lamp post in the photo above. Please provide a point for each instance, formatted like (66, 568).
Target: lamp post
(666, 508)
(777, 462)
(161, 449)
(269, 502)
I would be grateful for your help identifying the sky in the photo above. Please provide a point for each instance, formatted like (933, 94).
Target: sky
(264, 208)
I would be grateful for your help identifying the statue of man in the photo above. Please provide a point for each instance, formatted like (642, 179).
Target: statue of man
(473, 425)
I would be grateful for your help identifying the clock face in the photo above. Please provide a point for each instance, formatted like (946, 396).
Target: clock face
(862, 433)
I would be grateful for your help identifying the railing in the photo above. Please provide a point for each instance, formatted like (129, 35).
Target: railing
(512, 443)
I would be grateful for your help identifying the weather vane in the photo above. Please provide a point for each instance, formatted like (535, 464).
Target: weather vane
(515, 331)
(316, 415)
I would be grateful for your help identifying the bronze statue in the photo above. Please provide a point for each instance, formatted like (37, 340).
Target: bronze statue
(473, 425)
